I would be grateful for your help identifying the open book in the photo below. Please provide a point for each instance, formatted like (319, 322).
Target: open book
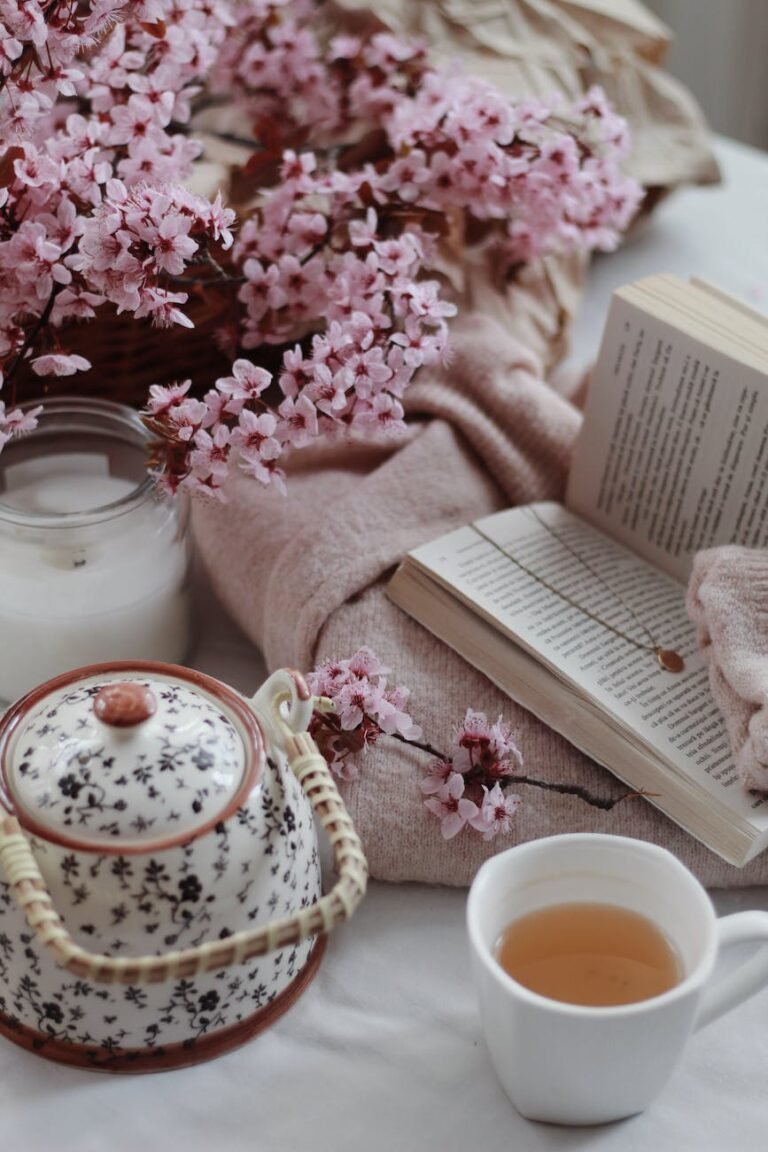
(565, 608)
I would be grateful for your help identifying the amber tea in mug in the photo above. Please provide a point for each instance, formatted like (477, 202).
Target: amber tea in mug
(576, 1063)
(594, 954)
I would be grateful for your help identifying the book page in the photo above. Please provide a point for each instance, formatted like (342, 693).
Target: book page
(607, 588)
(673, 453)
(728, 298)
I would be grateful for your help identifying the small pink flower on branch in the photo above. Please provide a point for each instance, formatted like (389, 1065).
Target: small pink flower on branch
(496, 812)
(465, 788)
(59, 365)
(14, 422)
(452, 808)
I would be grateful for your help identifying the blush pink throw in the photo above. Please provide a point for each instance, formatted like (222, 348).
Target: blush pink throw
(305, 574)
(728, 601)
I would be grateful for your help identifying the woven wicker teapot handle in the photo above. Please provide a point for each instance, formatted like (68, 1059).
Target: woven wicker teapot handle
(31, 893)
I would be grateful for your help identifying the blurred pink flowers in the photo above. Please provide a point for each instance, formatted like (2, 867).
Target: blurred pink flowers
(366, 170)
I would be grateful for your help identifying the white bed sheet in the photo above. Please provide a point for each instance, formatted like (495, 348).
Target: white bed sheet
(384, 1050)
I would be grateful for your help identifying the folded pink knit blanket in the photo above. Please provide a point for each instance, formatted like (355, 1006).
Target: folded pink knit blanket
(728, 601)
(305, 574)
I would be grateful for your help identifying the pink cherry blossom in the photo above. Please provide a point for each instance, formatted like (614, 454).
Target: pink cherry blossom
(440, 771)
(209, 456)
(173, 246)
(479, 744)
(496, 812)
(59, 364)
(14, 422)
(358, 688)
(246, 383)
(450, 806)
(366, 663)
(382, 414)
(463, 788)
(336, 266)
(164, 398)
(298, 421)
(187, 417)
(255, 437)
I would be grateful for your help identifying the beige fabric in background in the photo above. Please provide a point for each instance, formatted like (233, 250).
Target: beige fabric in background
(304, 575)
(535, 47)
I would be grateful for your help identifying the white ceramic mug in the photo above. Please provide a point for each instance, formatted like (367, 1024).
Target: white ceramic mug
(569, 1064)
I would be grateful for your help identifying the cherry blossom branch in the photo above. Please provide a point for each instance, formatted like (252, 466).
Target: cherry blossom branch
(421, 744)
(603, 802)
(466, 787)
(606, 803)
(365, 158)
(221, 276)
(31, 339)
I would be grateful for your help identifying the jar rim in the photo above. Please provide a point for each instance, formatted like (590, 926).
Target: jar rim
(118, 421)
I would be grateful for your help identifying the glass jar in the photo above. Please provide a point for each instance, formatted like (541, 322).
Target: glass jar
(94, 560)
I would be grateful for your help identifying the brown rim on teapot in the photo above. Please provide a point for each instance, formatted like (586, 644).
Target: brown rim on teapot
(235, 704)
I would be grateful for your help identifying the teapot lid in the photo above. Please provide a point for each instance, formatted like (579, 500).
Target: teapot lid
(126, 758)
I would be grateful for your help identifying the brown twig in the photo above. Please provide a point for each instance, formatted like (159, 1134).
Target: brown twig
(577, 790)
(423, 745)
(30, 339)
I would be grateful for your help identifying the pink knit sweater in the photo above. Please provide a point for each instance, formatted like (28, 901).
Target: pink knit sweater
(305, 577)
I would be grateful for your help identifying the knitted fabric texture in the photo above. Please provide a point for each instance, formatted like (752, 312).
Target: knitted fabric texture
(728, 601)
(305, 575)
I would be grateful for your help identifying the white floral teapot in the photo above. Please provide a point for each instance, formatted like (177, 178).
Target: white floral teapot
(160, 890)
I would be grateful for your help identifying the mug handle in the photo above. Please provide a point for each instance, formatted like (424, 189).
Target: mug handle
(308, 764)
(729, 990)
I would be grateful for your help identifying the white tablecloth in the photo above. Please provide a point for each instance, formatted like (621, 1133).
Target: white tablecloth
(384, 1050)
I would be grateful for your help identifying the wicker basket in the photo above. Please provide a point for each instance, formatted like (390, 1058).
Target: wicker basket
(127, 355)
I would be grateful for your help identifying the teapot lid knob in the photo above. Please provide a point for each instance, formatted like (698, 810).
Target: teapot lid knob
(124, 704)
